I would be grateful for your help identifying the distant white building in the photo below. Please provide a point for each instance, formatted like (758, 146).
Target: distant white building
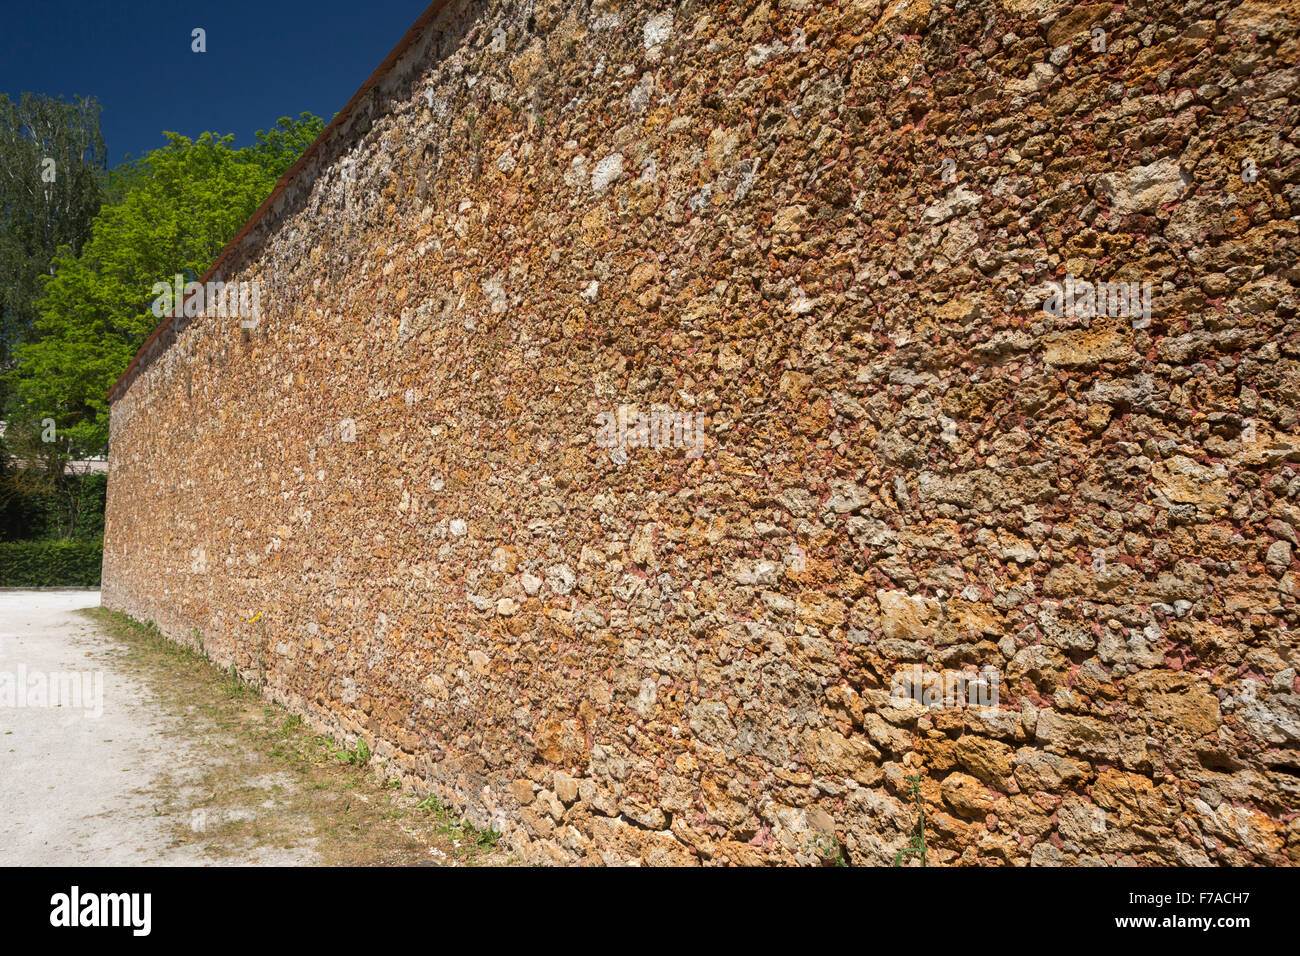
(83, 466)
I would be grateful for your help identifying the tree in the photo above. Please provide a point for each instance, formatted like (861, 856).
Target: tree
(172, 212)
(52, 163)
(279, 147)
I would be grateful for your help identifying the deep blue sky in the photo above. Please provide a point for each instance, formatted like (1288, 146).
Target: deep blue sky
(265, 59)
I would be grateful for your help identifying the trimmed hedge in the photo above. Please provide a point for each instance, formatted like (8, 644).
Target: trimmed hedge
(35, 564)
(41, 516)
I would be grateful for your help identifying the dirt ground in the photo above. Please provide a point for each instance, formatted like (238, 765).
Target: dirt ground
(166, 760)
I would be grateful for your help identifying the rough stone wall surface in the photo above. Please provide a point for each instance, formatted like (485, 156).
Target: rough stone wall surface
(825, 234)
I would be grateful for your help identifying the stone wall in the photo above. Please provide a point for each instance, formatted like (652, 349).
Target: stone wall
(812, 244)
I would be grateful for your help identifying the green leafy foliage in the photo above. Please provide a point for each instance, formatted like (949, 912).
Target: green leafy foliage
(171, 212)
(32, 507)
(52, 163)
(27, 564)
(916, 846)
(279, 147)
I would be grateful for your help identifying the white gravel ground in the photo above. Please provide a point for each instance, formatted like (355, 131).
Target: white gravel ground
(74, 784)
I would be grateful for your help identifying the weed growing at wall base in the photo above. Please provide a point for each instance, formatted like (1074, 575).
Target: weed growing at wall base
(916, 846)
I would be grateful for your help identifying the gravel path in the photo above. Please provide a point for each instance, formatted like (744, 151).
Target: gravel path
(159, 759)
(75, 779)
